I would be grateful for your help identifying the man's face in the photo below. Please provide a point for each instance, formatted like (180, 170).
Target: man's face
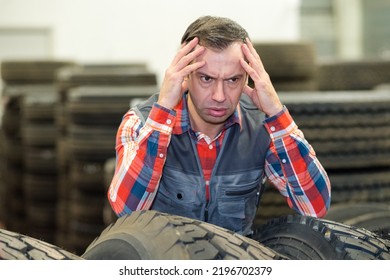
(215, 88)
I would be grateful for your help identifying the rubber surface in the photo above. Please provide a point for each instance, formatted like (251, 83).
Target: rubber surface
(155, 235)
(372, 216)
(308, 238)
(15, 246)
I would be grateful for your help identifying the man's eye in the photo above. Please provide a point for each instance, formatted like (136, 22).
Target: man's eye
(205, 79)
(233, 80)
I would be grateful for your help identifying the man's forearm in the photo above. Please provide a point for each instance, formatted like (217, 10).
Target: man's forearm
(141, 151)
(292, 166)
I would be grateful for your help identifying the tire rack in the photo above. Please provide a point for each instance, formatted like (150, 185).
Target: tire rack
(350, 132)
(93, 102)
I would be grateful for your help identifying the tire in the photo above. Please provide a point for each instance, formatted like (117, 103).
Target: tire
(375, 222)
(70, 77)
(308, 238)
(154, 235)
(352, 75)
(288, 60)
(15, 246)
(31, 71)
(372, 216)
(349, 211)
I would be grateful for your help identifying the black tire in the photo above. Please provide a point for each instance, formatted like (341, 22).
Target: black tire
(375, 222)
(349, 211)
(154, 235)
(31, 71)
(16, 246)
(308, 238)
(372, 216)
(352, 75)
(288, 60)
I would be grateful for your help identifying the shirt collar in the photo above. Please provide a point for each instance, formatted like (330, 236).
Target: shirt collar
(182, 123)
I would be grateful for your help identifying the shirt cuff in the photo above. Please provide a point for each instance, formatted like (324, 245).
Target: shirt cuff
(280, 125)
(161, 118)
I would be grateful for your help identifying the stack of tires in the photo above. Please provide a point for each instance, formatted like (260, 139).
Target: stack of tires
(38, 134)
(94, 99)
(292, 66)
(12, 213)
(28, 146)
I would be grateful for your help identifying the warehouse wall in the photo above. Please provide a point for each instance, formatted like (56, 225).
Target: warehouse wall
(147, 31)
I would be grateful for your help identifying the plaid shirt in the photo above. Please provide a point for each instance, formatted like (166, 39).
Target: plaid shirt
(291, 163)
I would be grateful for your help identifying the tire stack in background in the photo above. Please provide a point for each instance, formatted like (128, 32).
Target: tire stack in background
(12, 214)
(94, 99)
(38, 134)
(292, 66)
(364, 183)
(28, 147)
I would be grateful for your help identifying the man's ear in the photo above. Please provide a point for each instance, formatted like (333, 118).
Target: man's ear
(184, 84)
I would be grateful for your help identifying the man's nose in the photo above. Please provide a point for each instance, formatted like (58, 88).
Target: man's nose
(218, 93)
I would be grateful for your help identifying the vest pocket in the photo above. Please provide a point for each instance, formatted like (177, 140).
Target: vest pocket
(237, 205)
(177, 196)
(234, 208)
(236, 201)
(176, 193)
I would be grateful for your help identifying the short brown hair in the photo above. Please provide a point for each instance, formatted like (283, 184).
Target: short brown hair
(215, 32)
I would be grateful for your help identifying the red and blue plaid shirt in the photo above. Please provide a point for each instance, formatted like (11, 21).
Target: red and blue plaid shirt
(291, 163)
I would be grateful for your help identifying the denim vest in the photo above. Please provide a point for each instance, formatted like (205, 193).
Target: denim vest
(236, 180)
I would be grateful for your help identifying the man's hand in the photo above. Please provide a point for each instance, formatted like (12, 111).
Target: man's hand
(174, 83)
(263, 94)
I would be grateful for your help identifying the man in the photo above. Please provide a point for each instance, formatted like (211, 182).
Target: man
(202, 147)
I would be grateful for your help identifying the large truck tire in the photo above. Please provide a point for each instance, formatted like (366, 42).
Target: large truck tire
(308, 238)
(150, 235)
(16, 246)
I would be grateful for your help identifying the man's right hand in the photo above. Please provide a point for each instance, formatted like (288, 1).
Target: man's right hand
(174, 83)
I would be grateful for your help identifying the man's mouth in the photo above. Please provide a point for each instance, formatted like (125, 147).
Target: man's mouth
(217, 112)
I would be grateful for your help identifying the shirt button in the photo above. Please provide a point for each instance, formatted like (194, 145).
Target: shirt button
(272, 128)
(169, 121)
(210, 147)
(161, 155)
(284, 160)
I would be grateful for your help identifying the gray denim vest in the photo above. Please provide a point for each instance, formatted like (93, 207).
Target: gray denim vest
(236, 180)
